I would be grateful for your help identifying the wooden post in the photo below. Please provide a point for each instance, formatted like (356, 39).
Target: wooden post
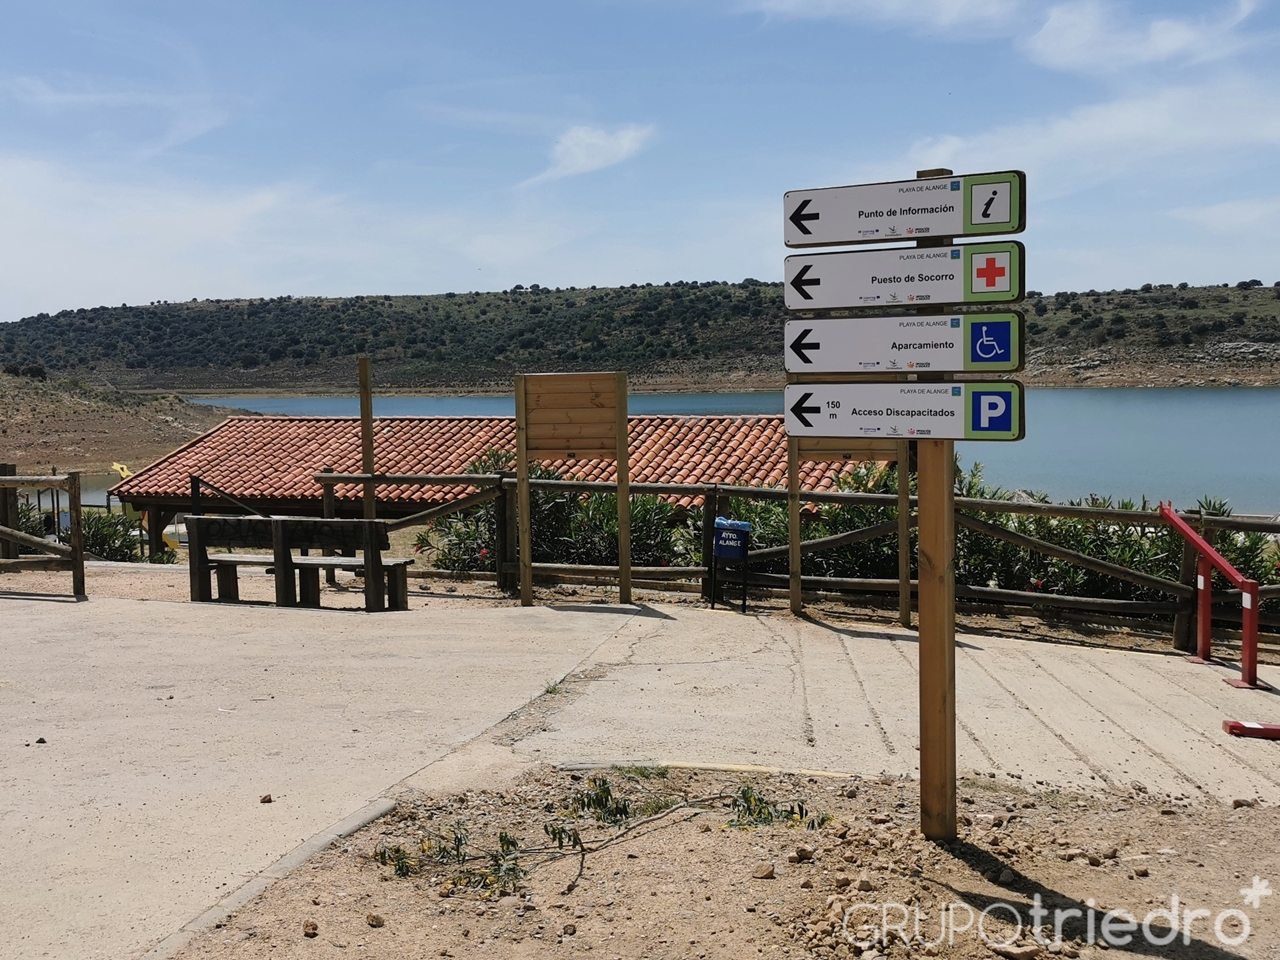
(286, 591)
(366, 439)
(710, 507)
(375, 599)
(522, 494)
(793, 522)
(198, 563)
(155, 531)
(1184, 637)
(904, 533)
(8, 512)
(624, 493)
(329, 509)
(511, 535)
(77, 533)
(500, 534)
(937, 529)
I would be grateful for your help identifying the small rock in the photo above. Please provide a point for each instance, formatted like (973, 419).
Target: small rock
(570, 929)
(843, 832)
(705, 828)
(1167, 811)
(763, 871)
(865, 884)
(804, 854)
(316, 901)
(1141, 872)
(1111, 853)
(881, 818)
(1139, 786)
(374, 920)
(41, 740)
(1095, 860)
(265, 798)
(1007, 876)
(310, 929)
(806, 884)
(842, 881)
(1235, 804)
(1023, 951)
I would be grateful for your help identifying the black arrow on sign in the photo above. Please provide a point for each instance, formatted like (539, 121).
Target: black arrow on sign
(801, 347)
(798, 282)
(798, 217)
(799, 409)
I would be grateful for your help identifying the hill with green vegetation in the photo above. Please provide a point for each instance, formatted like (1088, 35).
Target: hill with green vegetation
(709, 335)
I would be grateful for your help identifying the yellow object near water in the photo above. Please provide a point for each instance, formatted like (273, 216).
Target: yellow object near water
(124, 471)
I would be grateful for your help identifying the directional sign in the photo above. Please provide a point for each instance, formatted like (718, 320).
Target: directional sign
(905, 276)
(906, 411)
(987, 342)
(972, 205)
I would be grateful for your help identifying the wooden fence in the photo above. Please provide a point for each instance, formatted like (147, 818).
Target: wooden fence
(60, 556)
(1180, 605)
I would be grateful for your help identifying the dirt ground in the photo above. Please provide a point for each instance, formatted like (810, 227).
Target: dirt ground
(688, 884)
(76, 427)
(170, 582)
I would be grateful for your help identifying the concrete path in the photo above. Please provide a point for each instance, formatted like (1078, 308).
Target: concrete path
(142, 811)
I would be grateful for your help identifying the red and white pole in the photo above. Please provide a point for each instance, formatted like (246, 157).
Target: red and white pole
(1248, 635)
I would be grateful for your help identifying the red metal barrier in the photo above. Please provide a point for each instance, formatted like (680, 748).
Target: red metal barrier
(1210, 558)
(1250, 728)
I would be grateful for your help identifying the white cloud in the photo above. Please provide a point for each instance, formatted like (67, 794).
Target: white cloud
(1178, 126)
(919, 14)
(584, 149)
(1091, 36)
(1236, 217)
(182, 116)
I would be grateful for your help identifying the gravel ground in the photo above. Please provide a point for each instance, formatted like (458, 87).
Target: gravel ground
(689, 883)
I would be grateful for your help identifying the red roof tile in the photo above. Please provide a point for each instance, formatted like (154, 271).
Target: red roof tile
(275, 458)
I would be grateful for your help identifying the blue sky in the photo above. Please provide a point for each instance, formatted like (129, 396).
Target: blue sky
(164, 151)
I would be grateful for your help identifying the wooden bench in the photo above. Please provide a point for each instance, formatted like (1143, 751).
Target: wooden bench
(386, 579)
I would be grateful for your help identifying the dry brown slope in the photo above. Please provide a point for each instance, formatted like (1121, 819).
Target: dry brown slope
(70, 426)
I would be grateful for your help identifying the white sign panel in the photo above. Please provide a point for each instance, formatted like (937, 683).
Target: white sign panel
(988, 342)
(906, 411)
(905, 276)
(970, 205)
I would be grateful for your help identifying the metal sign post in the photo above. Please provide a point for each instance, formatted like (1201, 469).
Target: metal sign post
(887, 380)
(567, 415)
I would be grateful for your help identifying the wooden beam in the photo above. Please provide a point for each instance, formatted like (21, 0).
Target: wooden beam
(822, 449)
(35, 543)
(33, 482)
(8, 512)
(937, 646)
(556, 401)
(624, 488)
(444, 509)
(409, 479)
(1079, 559)
(366, 439)
(572, 415)
(832, 542)
(36, 563)
(575, 431)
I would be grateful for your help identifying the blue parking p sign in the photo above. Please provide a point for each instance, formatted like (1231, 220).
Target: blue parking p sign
(991, 411)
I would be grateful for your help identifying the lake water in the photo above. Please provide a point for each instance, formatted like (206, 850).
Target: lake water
(1174, 443)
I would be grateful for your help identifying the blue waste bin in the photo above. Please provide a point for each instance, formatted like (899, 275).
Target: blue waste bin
(732, 542)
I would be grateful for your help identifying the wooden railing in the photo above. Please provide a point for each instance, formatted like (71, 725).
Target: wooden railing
(1180, 604)
(60, 556)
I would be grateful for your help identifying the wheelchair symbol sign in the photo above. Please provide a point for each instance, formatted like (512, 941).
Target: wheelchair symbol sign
(990, 342)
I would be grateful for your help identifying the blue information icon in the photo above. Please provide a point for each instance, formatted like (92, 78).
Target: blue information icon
(990, 341)
(992, 411)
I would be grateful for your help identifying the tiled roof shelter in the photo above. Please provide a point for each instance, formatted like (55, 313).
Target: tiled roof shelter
(270, 462)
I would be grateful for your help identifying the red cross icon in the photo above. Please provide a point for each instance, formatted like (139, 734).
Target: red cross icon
(990, 273)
